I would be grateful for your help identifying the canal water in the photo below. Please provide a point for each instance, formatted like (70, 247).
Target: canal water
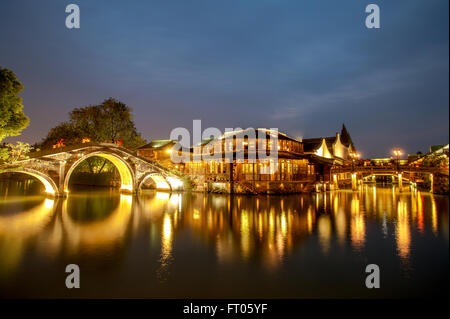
(161, 245)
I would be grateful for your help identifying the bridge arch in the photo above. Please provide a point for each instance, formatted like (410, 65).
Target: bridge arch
(125, 171)
(49, 184)
(161, 182)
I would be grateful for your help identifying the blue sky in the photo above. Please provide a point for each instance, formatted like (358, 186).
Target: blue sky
(304, 67)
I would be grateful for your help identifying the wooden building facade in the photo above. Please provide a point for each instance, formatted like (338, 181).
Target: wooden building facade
(255, 161)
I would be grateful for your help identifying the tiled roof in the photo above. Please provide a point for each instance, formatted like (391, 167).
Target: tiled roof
(157, 144)
(281, 136)
(311, 144)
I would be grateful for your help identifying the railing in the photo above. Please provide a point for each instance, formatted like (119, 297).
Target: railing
(225, 177)
(299, 177)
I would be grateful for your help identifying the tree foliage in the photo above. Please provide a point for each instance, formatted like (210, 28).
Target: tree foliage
(12, 118)
(95, 165)
(111, 121)
(11, 153)
(15, 152)
(65, 131)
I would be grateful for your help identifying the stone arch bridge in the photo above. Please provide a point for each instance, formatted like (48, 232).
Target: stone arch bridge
(54, 168)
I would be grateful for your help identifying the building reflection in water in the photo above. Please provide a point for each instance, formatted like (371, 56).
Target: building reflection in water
(263, 229)
(324, 230)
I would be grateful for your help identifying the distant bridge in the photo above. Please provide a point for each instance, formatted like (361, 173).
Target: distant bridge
(390, 170)
(401, 172)
(54, 167)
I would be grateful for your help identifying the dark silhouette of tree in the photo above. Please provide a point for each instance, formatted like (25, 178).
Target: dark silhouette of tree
(65, 132)
(111, 121)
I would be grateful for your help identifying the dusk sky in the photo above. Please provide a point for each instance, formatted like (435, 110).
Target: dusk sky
(304, 67)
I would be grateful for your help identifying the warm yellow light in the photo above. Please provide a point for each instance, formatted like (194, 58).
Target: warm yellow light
(161, 183)
(175, 199)
(175, 182)
(28, 222)
(355, 155)
(196, 214)
(167, 227)
(126, 175)
(126, 198)
(49, 188)
(397, 152)
(107, 232)
(162, 196)
(126, 187)
(48, 203)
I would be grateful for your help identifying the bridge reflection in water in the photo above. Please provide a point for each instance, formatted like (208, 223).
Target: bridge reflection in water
(204, 245)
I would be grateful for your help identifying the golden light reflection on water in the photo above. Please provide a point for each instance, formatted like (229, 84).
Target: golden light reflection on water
(245, 234)
(166, 248)
(434, 218)
(324, 230)
(341, 224)
(27, 223)
(402, 232)
(265, 229)
(17, 231)
(91, 236)
(357, 223)
(420, 223)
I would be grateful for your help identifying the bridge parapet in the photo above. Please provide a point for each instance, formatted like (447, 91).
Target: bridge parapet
(391, 169)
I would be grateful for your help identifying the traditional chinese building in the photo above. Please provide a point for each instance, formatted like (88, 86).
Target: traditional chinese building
(248, 164)
(325, 152)
(257, 161)
(159, 150)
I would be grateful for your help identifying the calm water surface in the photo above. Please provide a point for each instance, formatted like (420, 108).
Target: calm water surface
(205, 245)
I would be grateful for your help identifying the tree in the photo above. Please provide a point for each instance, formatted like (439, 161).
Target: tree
(15, 152)
(111, 121)
(12, 118)
(66, 132)
(95, 165)
(11, 153)
(118, 124)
